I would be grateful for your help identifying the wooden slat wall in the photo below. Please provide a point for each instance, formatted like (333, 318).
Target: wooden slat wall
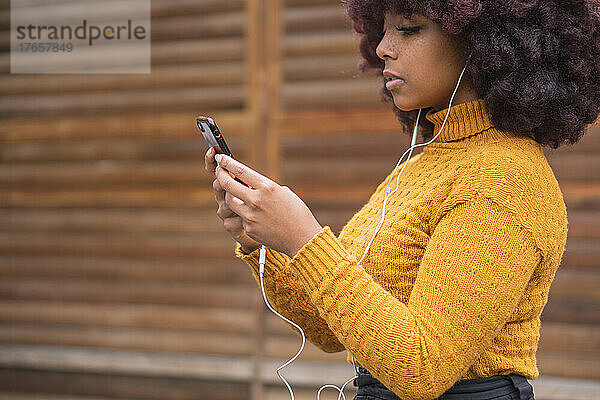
(109, 242)
(116, 278)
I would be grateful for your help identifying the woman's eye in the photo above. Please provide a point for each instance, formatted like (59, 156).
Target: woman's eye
(407, 31)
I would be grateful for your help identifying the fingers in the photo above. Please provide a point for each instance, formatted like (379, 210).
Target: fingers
(228, 204)
(231, 186)
(244, 173)
(219, 191)
(223, 211)
(209, 161)
(236, 205)
(233, 225)
(226, 201)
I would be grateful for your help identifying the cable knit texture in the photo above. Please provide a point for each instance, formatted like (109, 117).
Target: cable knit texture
(456, 279)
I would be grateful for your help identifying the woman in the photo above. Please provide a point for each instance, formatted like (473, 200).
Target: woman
(446, 299)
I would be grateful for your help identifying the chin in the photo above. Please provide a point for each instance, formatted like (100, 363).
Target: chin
(403, 105)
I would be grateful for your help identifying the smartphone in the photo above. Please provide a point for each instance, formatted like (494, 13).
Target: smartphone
(214, 138)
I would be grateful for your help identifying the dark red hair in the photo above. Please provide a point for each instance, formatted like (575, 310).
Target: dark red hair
(535, 63)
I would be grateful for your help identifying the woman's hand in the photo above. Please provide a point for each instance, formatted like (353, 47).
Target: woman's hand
(270, 214)
(231, 221)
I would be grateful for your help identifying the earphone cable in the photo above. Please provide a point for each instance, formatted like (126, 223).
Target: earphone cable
(262, 258)
(413, 146)
(262, 261)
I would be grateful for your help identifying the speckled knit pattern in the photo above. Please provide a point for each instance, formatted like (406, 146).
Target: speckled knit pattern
(456, 279)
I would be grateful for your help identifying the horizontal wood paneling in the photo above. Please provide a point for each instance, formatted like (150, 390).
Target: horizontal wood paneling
(151, 339)
(109, 274)
(117, 279)
(92, 386)
(162, 76)
(139, 126)
(128, 315)
(109, 291)
(146, 268)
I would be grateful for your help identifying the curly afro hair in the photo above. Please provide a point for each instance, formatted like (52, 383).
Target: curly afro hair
(534, 63)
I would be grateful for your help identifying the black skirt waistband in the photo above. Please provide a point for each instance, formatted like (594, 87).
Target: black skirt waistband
(468, 389)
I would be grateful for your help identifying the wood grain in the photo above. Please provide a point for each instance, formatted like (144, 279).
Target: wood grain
(118, 280)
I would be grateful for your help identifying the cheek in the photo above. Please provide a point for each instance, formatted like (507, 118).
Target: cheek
(450, 62)
(433, 69)
(424, 70)
(419, 59)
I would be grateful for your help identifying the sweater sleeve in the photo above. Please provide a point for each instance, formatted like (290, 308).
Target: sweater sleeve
(288, 297)
(475, 268)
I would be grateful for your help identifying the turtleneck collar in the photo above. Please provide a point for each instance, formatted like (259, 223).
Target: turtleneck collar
(464, 120)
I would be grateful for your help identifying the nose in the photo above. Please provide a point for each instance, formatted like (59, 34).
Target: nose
(385, 49)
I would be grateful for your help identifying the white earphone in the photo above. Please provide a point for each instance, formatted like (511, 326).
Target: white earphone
(263, 251)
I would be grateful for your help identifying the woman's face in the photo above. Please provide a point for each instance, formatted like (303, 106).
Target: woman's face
(427, 60)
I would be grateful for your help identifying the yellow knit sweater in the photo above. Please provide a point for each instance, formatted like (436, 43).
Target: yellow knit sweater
(456, 279)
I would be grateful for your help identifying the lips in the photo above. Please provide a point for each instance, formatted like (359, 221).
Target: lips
(390, 76)
(392, 80)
